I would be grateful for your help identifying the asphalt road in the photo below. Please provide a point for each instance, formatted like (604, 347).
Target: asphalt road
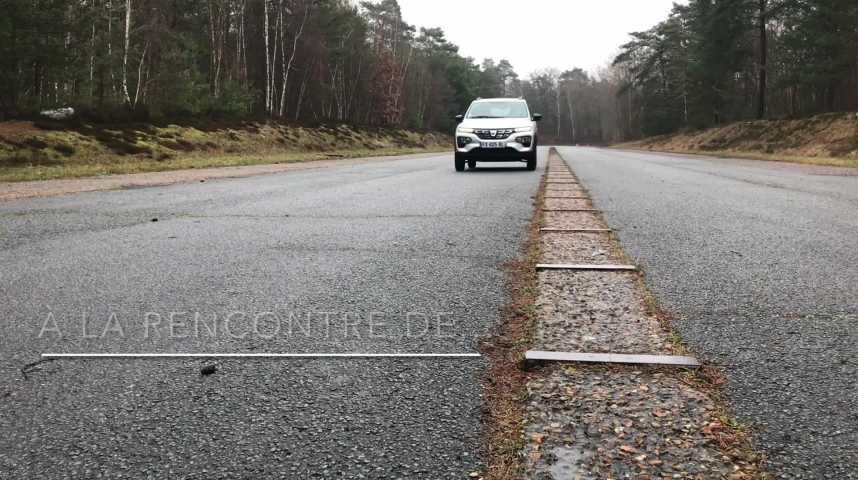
(389, 257)
(758, 262)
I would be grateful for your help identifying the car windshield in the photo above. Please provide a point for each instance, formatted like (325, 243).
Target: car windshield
(498, 110)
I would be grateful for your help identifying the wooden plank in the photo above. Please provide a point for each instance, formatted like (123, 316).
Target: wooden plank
(575, 230)
(635, 359)
(592, 210)
(571, 266)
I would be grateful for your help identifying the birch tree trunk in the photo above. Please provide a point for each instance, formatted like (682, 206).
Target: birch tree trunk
(125, 52)
(92, 55)
(288, 65)
(267, 59)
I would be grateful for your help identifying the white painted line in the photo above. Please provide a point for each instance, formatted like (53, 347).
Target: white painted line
(564, 266)
(575, 230)
(675, 360)
(260, 355)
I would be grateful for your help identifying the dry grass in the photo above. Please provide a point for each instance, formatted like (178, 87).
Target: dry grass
(829, 139)
(48, 151)
(505, 381)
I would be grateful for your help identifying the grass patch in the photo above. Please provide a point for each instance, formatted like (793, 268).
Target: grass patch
(56, 169)
(41, 152)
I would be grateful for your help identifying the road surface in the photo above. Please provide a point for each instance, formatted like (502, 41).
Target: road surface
(385, 257)
(758, 261)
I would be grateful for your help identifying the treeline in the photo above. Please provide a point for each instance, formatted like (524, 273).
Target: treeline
(716, 61)
(710, 62)
(297, 60)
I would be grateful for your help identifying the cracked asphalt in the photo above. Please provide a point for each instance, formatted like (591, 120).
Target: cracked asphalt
(386, 257)
(757, 261)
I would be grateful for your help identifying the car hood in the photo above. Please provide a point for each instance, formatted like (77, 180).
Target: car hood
(496, 123)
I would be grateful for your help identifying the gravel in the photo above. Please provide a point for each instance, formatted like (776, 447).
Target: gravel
(565, 190)
(616, 422)
(559, 203)
(583, 248)
(596, 312)
(572, 220)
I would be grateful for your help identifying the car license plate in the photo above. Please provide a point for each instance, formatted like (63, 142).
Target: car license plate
(493, 144)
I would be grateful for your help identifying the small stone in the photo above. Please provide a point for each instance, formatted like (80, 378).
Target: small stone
(208, 370)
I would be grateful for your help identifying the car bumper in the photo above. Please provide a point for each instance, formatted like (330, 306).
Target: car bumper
(513, 150)
(497, 154)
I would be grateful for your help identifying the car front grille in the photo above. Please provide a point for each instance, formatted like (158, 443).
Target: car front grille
(494, 134)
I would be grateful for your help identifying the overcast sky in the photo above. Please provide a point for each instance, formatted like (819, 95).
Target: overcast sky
(535, 34)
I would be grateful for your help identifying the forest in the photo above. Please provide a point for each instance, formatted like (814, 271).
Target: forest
(337, 61)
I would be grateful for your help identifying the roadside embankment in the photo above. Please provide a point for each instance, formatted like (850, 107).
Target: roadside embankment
(829, 139)
(52, 150)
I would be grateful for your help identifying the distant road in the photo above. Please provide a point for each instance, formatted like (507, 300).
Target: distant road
(759, 261)
(346, 252)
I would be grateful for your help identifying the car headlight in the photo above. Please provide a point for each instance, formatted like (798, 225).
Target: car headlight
(464, 130)
(524, 130)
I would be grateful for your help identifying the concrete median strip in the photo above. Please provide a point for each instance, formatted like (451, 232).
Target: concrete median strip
(611, 393)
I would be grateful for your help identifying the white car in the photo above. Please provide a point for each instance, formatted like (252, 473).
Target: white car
(496, 130)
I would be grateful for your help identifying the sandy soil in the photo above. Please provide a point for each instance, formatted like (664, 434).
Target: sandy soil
(47, 188)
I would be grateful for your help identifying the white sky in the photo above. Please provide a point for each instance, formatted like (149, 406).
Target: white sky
(536, 34)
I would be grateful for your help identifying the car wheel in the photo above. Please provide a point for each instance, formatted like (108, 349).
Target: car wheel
(531, 164)
(531, 160)
(472, 164)
(460, 163)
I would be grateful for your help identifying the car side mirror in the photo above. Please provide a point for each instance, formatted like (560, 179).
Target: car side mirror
(460, 118)
(537, 117)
